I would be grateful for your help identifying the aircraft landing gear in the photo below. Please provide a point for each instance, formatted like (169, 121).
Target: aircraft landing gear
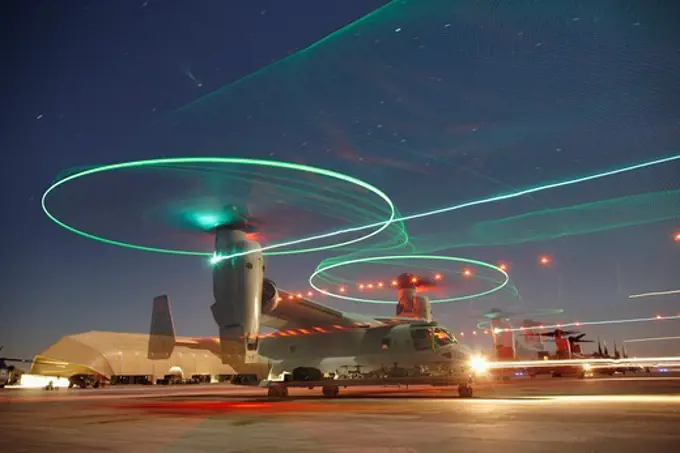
(277, 391)
(330, 391)
(464, 391)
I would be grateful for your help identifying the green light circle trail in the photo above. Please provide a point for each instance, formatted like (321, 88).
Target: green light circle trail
(468, 204)
(380, 226)
(378, 259)
(183, 162)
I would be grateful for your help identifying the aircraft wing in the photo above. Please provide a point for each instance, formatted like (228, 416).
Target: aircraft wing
(404, 320)
(293, 312)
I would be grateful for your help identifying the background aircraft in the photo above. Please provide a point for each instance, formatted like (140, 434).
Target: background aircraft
(9, 373)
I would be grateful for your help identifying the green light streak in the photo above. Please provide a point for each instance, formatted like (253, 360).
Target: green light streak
(468, 204)
(222, 91)
(644, 340)
(222, 160)
(597, 323)
(486, 324)
(577, 220)
(373, 259)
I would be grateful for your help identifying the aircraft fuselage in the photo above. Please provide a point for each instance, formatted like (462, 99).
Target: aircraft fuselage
(402, 348)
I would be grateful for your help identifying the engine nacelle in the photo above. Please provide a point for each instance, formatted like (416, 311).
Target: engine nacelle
(270, 297)
(237, 288)
(412, 305)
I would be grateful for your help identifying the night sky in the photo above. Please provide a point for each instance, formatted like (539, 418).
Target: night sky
(435, 102)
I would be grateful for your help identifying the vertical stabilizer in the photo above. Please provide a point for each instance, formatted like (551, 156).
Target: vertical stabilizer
(529, 343)
(162, 333)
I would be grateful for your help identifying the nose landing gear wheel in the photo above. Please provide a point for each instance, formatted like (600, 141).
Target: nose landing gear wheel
(330, 391)
(465, 391)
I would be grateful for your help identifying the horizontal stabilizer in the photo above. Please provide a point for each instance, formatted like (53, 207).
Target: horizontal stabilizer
(162, 334)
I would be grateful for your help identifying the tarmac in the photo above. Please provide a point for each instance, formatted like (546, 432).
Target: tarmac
(621, 414)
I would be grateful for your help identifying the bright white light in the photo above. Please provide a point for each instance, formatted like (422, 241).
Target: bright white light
(479, 365)
(38, 381)
(587, 367)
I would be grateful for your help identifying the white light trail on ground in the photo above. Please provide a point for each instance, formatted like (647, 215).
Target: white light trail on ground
(593, 362)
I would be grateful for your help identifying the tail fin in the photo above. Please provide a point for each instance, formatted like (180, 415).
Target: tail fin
(162, 334)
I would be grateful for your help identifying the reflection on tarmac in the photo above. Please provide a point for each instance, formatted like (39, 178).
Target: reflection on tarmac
(619, 414)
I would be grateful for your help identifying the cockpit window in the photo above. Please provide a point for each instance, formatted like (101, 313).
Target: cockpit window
(422, 338)
(444, 337)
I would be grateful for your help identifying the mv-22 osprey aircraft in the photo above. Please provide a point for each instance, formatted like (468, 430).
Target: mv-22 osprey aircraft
(314, 345)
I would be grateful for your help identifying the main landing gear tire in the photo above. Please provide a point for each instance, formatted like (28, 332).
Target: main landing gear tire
(277, 391)
(464, 391)
(330, 391)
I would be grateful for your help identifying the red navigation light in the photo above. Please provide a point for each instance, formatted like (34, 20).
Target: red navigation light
(370, 286)
(544, 260)
(474, 332)
(381, 284)
(252, 236)
(467, 273)
(393, 283)
(342, 289)
(503, 266)
(290, 297)
(310, 293)
(676, 236)
(437, 276)
(486, 332)
(279, 299)
(414, 280)
(361, 286)
(298, 295)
